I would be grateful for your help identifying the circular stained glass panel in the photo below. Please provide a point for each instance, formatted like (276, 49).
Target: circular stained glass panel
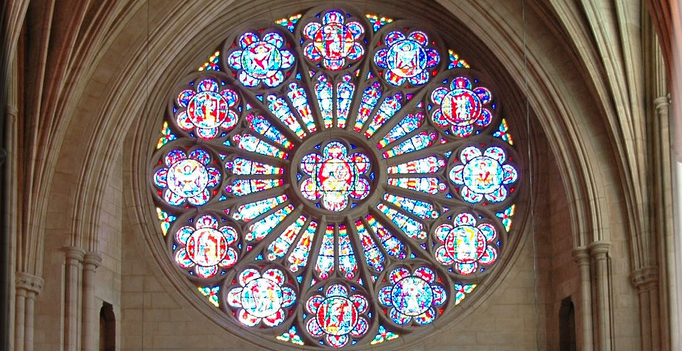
(187, 178)
(261, 297)
(337, 315)
(261, 60)
(412, 296)
(483, 175)
(406, 58)
(206, 247)
(320, 205)
(207, 110)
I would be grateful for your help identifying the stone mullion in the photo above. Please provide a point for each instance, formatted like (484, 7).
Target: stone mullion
(582, 258)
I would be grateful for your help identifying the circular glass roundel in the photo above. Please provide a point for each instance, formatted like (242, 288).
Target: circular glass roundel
(207, 247)
(413, 296)
(336, 179)
(187, 178)
(207, 110)
(337, 315)
(261, 297)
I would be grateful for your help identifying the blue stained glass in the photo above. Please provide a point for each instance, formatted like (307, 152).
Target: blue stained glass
(299, 99)
(261, 228)
(165, 219)
(506, 216)
(166, 136)
(211, 293)
(325, 259)
(280, 108)
(344, 92)
(291, 335)
(456, 61)
(503, 132)
(414, 143)
(409, 226)
(461, 290)
(383, 335)
(407, 125)
(418, 208)
(378, 22)
(251, 143)
(261, 126)
(391, 244)
(370, 97)
(241, 166)
(212, 63)
(387, 109)
(347, 263)
(290, 24)
(373, 255)
(249, 211)
(323, 91)
(281, 245)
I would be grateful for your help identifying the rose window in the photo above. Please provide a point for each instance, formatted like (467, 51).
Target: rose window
(336, 180)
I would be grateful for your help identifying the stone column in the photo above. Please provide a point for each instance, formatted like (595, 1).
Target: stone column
(28, 287)
(599, 252)
(645, 281)
(91, 261)
(74, 258)
(581, 257)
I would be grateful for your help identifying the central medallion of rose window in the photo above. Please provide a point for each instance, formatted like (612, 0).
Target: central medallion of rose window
(335, 177)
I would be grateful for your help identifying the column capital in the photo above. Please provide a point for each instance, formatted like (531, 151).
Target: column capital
(645, 279)
(581, 256)
(92, 260)
(29, 282)
(74, 253)
(599, 249)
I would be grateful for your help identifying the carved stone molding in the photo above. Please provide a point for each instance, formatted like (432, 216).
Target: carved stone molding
(662, 103)
(580, 256)
(598, 249)
(645, 279)
(74, 254)
(29, 282)
(91, 261)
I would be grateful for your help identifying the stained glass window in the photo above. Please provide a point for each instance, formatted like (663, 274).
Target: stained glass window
(336, 179)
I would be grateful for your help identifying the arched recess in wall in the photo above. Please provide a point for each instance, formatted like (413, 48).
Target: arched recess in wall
(336, 158)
